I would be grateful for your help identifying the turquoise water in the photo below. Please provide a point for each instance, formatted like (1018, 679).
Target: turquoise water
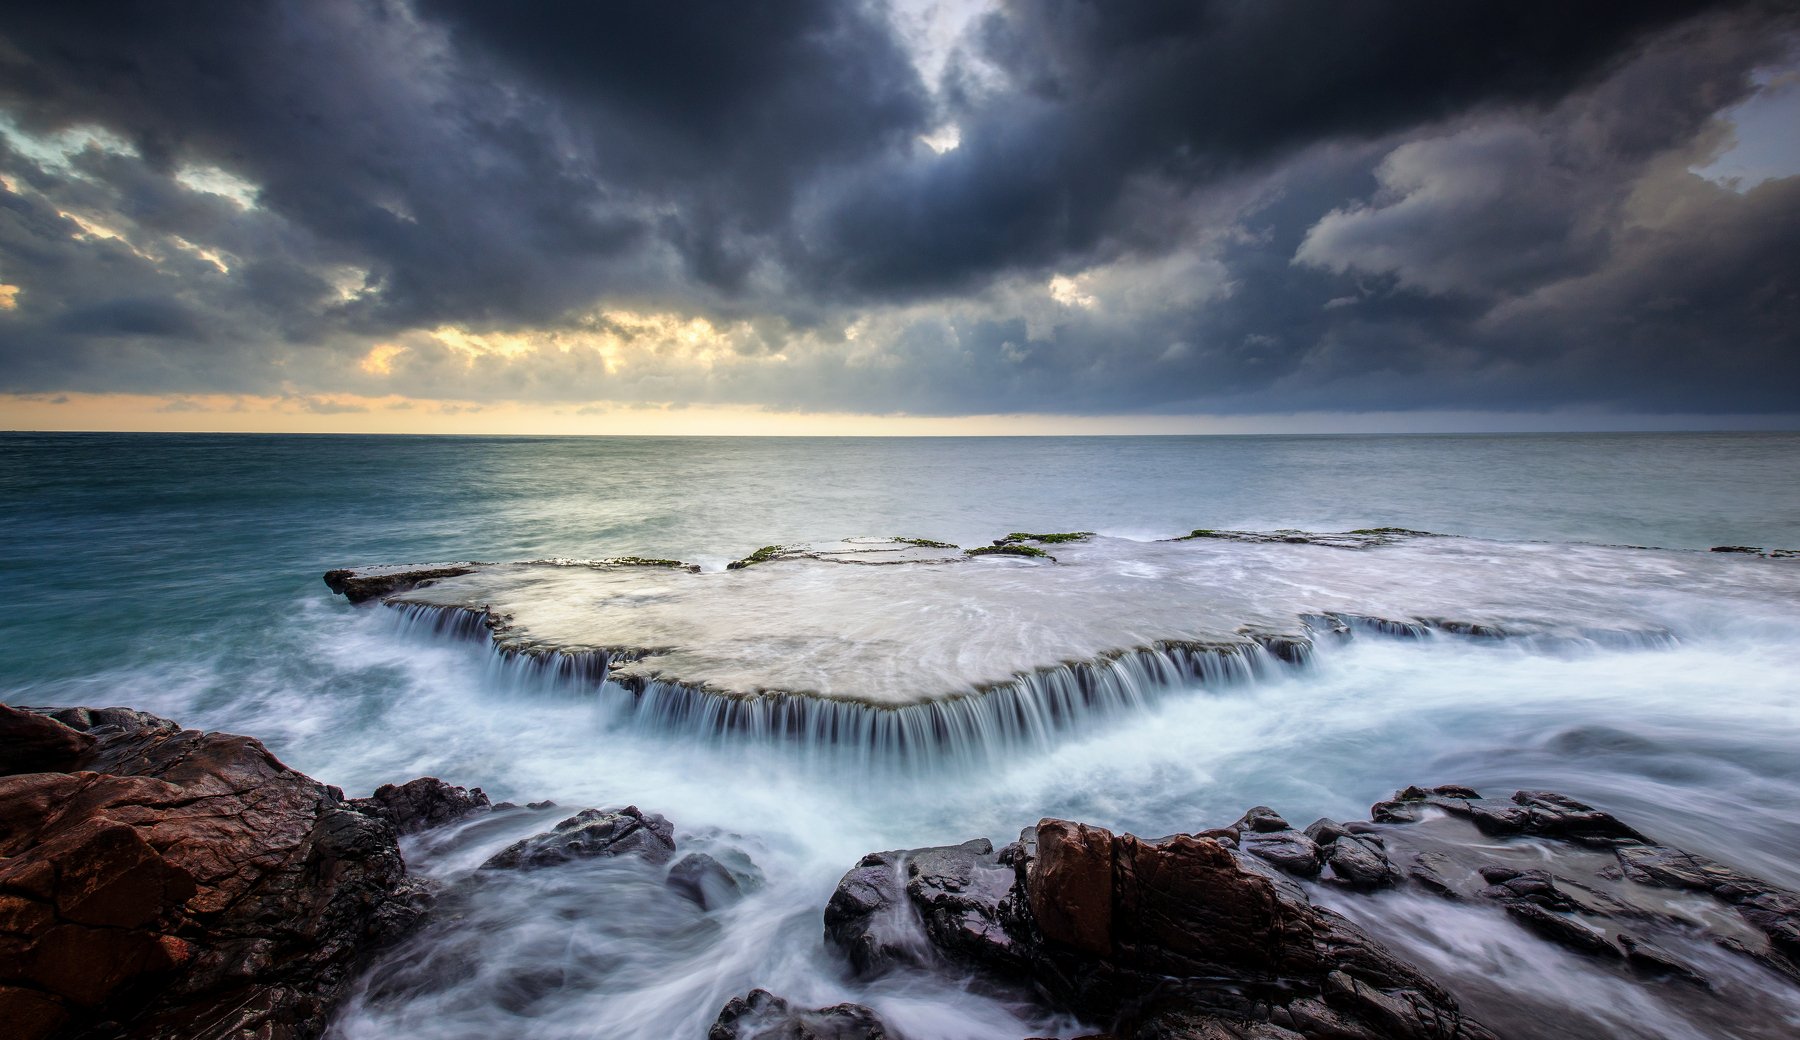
(155, 547)
(180, 574)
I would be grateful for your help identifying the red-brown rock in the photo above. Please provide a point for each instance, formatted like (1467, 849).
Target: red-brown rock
(179, 884)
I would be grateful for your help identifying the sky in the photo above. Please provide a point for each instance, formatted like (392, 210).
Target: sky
(916, 216)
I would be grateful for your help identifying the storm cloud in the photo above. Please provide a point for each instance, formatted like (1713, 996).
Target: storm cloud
(1059, 207)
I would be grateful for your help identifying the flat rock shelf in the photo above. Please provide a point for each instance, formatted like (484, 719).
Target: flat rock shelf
(910, 642)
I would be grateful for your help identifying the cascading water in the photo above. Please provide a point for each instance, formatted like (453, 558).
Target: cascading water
(1024, 715)
(1658, 685)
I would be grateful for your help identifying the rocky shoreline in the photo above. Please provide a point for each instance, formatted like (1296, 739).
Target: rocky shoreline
(157, 882)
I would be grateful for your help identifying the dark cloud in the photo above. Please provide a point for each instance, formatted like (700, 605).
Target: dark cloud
(1248, 206)
(1095, 98)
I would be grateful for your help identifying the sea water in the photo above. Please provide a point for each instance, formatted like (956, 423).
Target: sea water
(180, 574)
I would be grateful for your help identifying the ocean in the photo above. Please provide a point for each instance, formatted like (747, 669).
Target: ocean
(180, 574)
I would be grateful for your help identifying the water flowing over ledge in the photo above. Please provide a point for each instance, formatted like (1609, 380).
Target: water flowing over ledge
(1028, 712)
(929, 654)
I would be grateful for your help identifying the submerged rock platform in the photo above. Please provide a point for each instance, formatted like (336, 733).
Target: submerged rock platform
(1017, 639)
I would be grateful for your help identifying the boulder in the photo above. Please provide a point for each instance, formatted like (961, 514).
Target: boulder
(1264, 834)
(172, 883)
(1183, 936)
(761, 1015)
(705, 881)
(591, 834)
(906, 907)
(423, 803)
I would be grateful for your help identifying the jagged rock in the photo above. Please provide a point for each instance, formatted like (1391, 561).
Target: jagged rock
(1264, 834)
(903, 907)
(1180, 937)
(358, 587)
(1526, 886)
(1538, 813)
(423, 803)
(1358, 861)
(1582, 906)
(32, 743)
(1774, 912)
(591, 834)
(761, 1015)
(1561, 929)
(175, 883)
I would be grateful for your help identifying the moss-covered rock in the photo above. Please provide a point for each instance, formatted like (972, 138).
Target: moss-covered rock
(762, 555)
(650, 561)
(925, 543)
(1009, 550)
(1047, 539)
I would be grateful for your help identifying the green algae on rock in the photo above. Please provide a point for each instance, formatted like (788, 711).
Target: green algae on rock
(762, 555)
(1047, 539)
(1007, 549)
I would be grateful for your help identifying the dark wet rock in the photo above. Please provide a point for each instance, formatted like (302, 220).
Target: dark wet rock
(1772, 911)
(1473, 629)
(1594, 887)
(704, 880)
(1536, 813)
(1363, 538)
(1324, 832)
(1207, 935)
(174, 883)
(591, 834)
(1180, 937)
(1264, 834)
(1656, 962)
(1429, 871)
(359, 587)
(1385, 626)
(1751, 550)
(908, 907)
(1537, 887)
(1285, 648)
(423, 803)
(761, 1015)
(1359, 862)
(1561, 929)
(1262, 819)
(1288, 851)
(1396, 812)
(33, 743)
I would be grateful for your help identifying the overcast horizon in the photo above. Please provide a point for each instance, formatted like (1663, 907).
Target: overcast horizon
(924, 217)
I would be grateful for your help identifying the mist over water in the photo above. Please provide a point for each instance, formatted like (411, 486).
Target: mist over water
(180, 575)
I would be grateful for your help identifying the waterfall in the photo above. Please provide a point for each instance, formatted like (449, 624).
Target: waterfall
(1025, 714)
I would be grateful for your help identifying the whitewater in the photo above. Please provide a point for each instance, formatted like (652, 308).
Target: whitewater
(180, 575)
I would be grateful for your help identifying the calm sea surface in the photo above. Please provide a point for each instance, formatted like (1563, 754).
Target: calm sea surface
(180, 574)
